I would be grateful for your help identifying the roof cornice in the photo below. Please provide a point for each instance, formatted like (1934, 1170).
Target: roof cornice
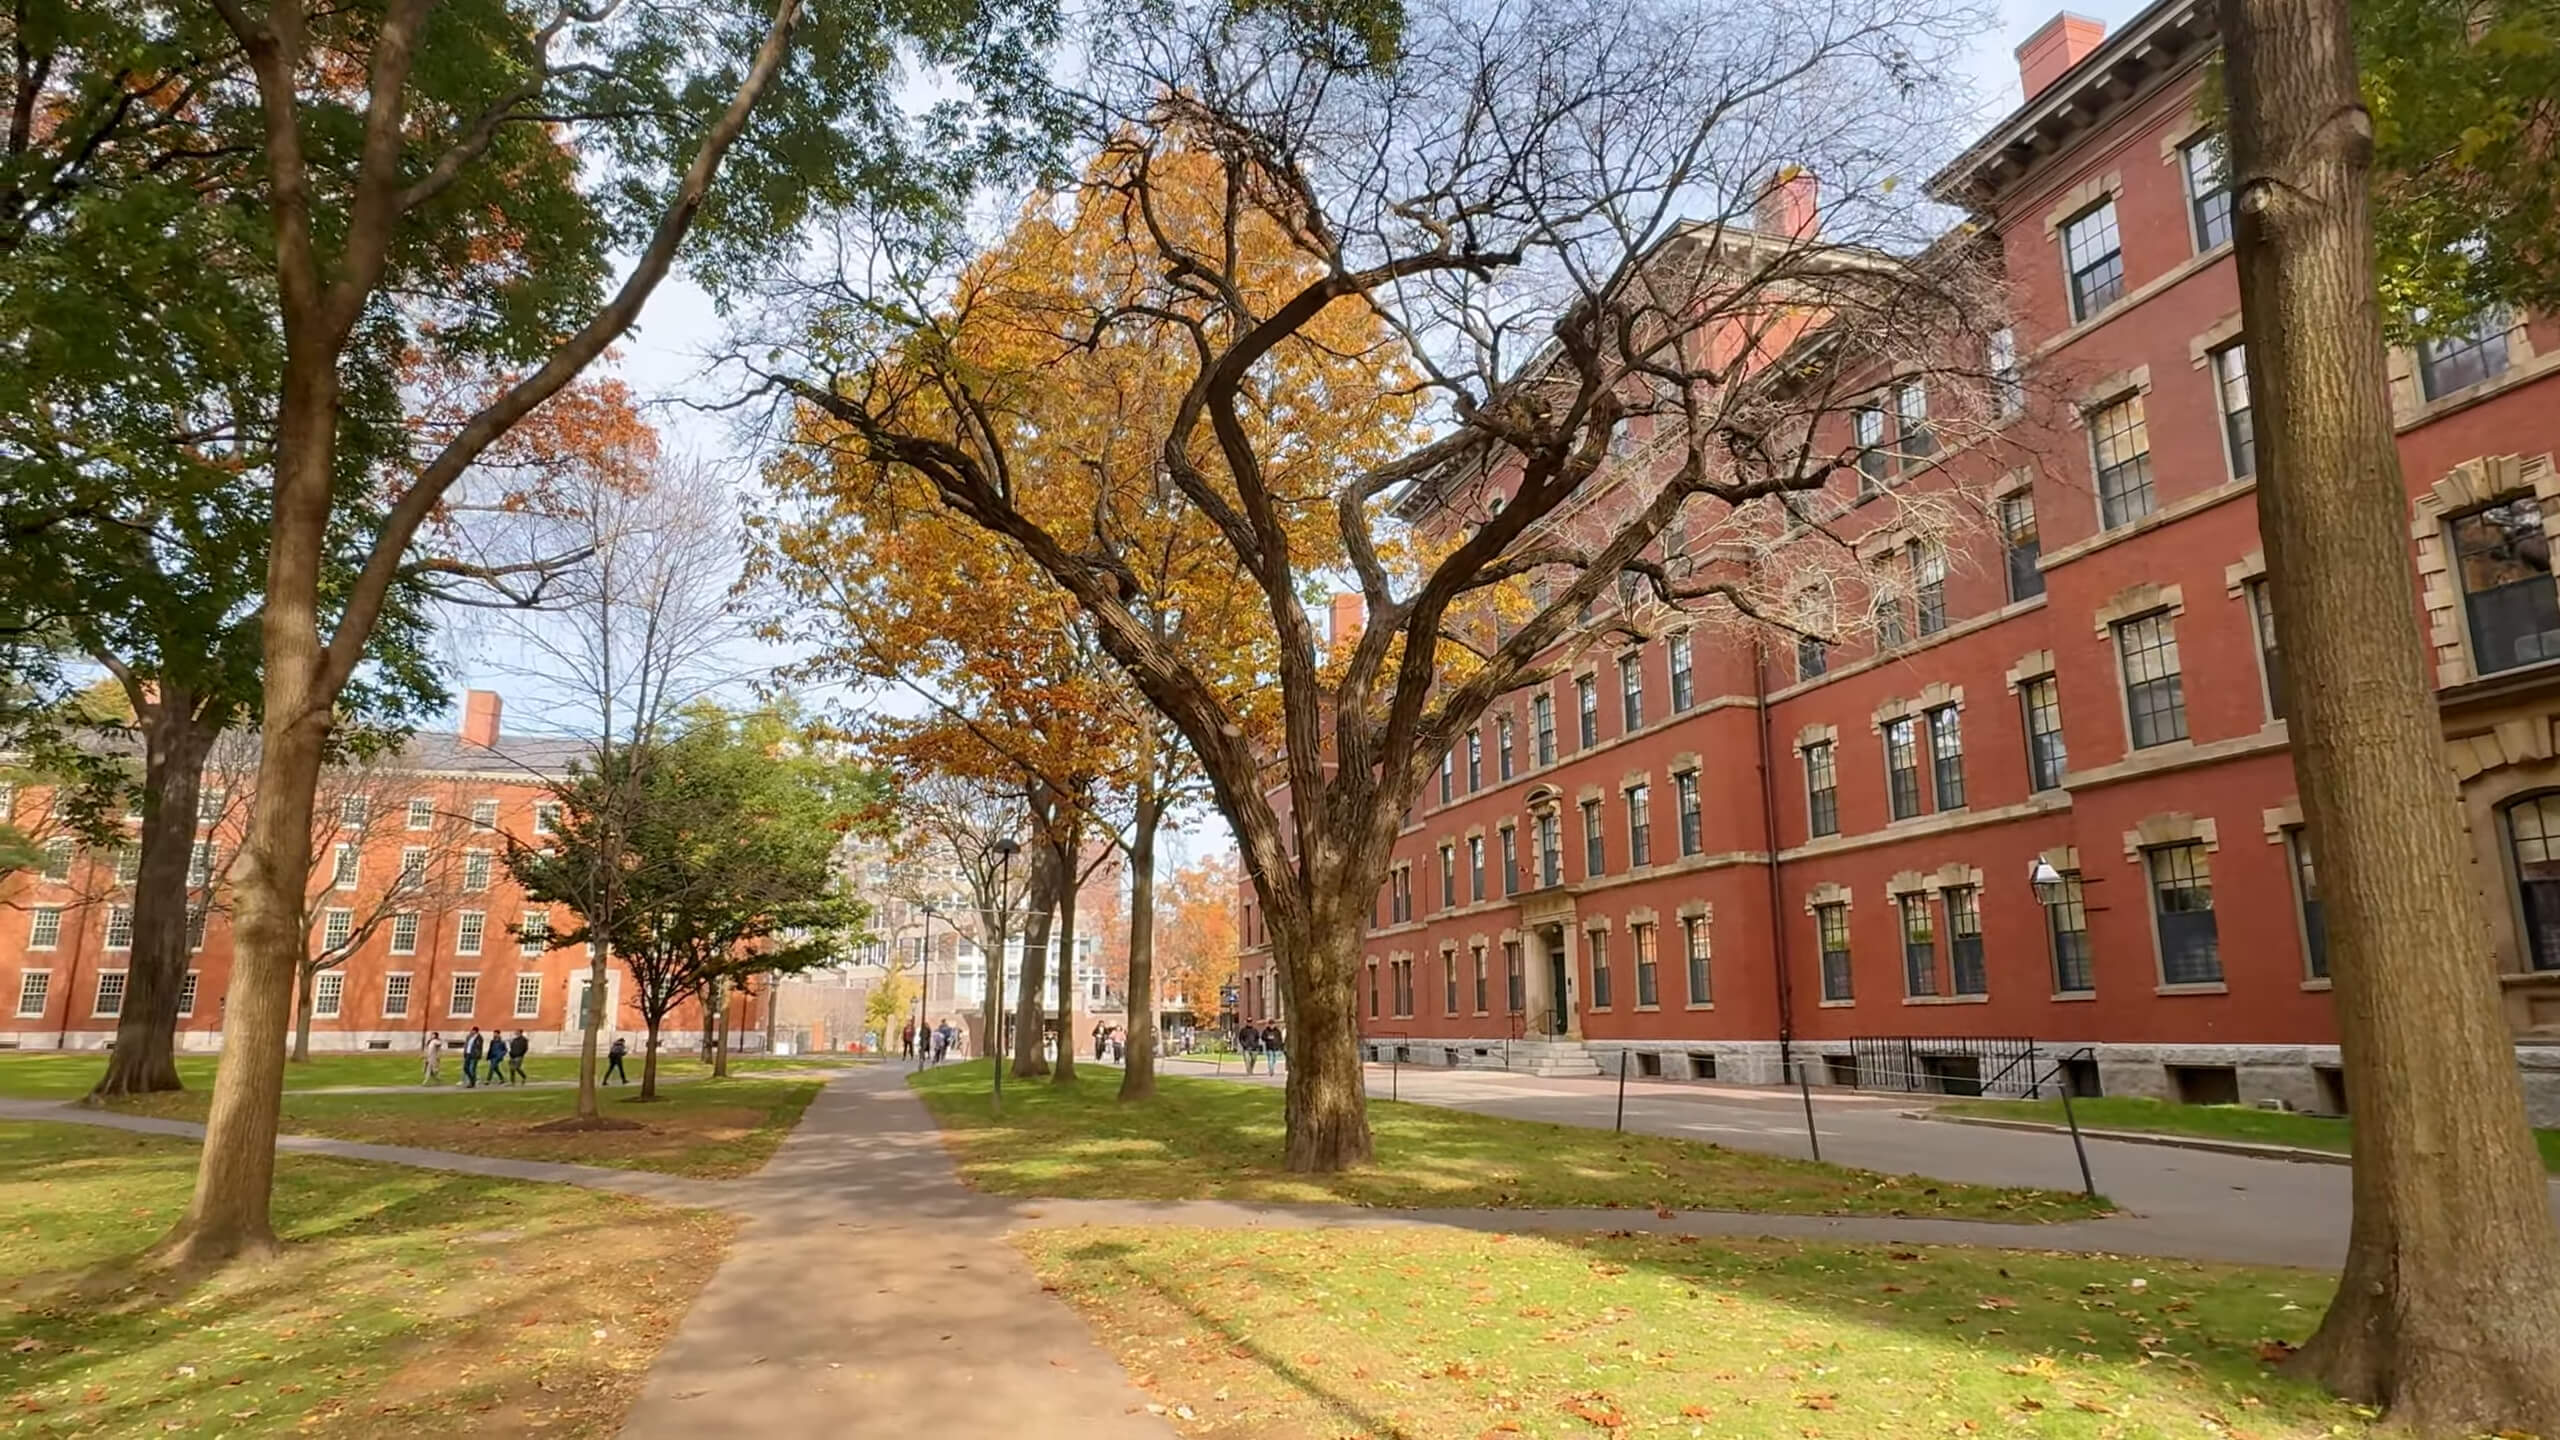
(2124, 68)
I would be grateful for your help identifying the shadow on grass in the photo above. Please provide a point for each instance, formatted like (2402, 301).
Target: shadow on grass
(1201, 1139)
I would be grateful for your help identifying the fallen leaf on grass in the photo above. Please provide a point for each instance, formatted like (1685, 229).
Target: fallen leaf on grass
(1820, 1402)
(1602, 1414)
(1695, 1412)
(2274, 1352)
(2028, 1403)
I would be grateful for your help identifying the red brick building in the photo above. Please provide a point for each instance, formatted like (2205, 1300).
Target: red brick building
(1727, 853)
(412, 866)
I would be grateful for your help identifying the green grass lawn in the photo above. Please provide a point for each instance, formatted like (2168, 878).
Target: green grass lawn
(61, 1075)
(1453, 1335)
(407, 1302)
(2220, 1122)
(1206, 1139)
(709, 1128)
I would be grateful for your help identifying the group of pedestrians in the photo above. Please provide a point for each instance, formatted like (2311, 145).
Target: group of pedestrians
(505, 1058)
(1110, 1040)
(940, 1042)
(1262, 1042)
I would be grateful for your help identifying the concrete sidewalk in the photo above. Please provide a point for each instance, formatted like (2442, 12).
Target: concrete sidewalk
(870, 1294)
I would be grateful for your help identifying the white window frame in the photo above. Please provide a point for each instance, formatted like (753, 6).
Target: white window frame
(402, 986)
(187, 991)
(546, 817)
(200, 865)
(98, 995)
(328, 994)
(525, 983)
(42, 983)
(533, 933)
(413, 867)
(346, 865)
(354, 810)
(484, 815)
(421, 814)
(470, 929)
(59, 855)
(404, 944)
(337, 928)
(465, 984)
(119, 922)
(477, 867)
(36, 926)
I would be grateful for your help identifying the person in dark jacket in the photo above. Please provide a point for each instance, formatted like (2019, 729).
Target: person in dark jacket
(515, 1058)
(471, 1059)
(1249, 1040)
(1272, 1049)
(613, 1072)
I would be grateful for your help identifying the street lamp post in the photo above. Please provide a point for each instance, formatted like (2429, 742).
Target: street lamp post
(1005, 850)
(924, 991)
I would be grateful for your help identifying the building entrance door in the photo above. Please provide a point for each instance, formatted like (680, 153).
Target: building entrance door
(1559, 984)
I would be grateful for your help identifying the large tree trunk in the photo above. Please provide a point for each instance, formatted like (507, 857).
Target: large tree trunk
(1138, 1078)
(175, 742)
(1032, 995)
(1065, 1071)
(227, 1218)
(2448, 1311)
(1328, 1102)
(307, 982)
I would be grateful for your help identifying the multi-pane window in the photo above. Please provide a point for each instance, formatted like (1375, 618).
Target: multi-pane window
(475, 870)
(44, 927)
(1684, 788)
(484, 815)
(533, 936)
(196, 916)
(1475, 761)
(337, 928)
(1515, 979)
(2093, 258)
(1684, 685)
(328, 994)
(1639, 824)
(1913, 435)
(57, 858)
(2533, 841)
(2008, 388)
(395, 994)
(1946, 757)
(1550, 849)
(1697, 944)
(1812, 657)
(1448, 877)
(1480, 979)
(1403, 973)
(2503, 558)
(469, 928)
(2231, 396)
(1586, 697)
(2470, 355)
(1599, 942)
(1594, 853)
(528, 996)
(1510, 861)
(1502, 744)
(2155, 696)
(209, 802)
(404, 933)
(200, 864)
(1964, 941)
(2182, 905)
(464, 998)
(1400, 894)
(2046, 757)
(128, 864)
(1929, 586)
(1919, 944)
(1373, 989)
(1631, 692)
(2074, 966)
(2120, 440)
(1902, 766)
(1891, 631)
(2262, 617)
(108, 1002)
(1648, 981)
(2208, 191)
(1475, 867)
(119, 927)
(1831, 924)
(1448, 777)
(546, 818)
(1822, 789)
(422, 814)
(34, 990)
(352, 810)
(1873, 459)
(1542, 710)
(2306, 897)
(187, 994)
(2020, 546)
(342, 867)
(413, 867)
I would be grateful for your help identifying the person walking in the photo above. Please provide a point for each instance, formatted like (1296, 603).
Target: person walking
(1101, 1040)
(613, 1072)
(515, 1057)
(942, 1041)
(1272, 1048)
(471, 1059)
(431, 1064)
(1249, 1041)
(1119, 1045)
(907, 1039)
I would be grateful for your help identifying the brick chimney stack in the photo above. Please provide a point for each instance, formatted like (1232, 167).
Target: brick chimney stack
(1343, 625)
(2058, 44)
(1791, 206)
(480, 710)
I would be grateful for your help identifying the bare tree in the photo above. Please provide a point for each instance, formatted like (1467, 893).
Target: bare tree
(363, 808)
(1561, 211)
(2448, 1312)
(971, 823)
(630, 637)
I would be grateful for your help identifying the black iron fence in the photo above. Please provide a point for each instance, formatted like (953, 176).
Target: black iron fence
(1944, 1065)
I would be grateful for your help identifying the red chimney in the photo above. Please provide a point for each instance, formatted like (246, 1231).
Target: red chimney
(1348, 613)
(1791, 206)
(2060, 43)
(480, 718)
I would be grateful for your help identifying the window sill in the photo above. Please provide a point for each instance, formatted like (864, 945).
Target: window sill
(1647, 1009)
(2207, 987)
(1946, 999)
(1834, 1004)
(2074, 997)
(2317, 984)
(2530, 977)
(1699, 1005)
